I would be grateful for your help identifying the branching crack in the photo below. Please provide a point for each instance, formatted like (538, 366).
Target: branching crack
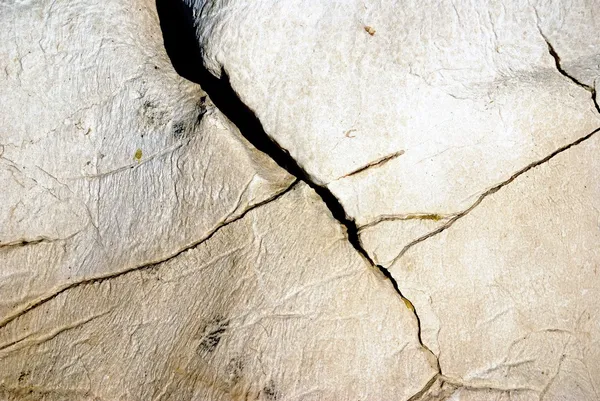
(108, 276)
(442, 387)
(560, 69)
(491, 191)
(426, 388)
(179, 33)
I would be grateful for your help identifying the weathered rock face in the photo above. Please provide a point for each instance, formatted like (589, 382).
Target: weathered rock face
(150, 252)
(420, 219)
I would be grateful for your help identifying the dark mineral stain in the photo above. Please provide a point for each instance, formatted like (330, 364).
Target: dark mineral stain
(24, 375)
(152, 112)
(179, 130)
(269, 392)
(201, 109)
(211, 335)
(234, 370)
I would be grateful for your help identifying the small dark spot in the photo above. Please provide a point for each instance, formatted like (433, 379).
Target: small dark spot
(211, 335)
(24, 375)
(201, 109)
(234, 370)
(269, 392)
(179, 130)
(152, 112)
(156, 67)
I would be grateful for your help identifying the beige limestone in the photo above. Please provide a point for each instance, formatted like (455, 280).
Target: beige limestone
(148, 251)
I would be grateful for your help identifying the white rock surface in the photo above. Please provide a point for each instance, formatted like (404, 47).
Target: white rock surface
(461, 139)
(109, 165)
(149, 252)
(458, 95)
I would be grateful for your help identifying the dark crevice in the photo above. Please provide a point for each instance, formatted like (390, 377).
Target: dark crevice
(183, 48)
(560, 69)
(184, 51)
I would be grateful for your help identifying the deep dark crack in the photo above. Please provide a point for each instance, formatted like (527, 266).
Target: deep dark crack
(182, 45)
(559, 67)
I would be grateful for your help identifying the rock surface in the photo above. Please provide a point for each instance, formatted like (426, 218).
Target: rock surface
(414, 213)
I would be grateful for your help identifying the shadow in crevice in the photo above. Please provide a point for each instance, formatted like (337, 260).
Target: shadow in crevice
(179, 36)
(182, 46)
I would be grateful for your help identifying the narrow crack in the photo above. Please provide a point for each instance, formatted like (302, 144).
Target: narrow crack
(489, 192)
(563, 72)
(146, 266)
(376, 163)
(485, 387)
(34, 241)
(405, 217)
(25, 340)
(26, 242)
(454, 385)
(426, 388)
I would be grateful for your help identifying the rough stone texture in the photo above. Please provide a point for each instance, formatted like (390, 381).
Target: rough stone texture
(114, 161)
(244, 315)
(508, 295)
(460, 139)
(454, 97)
(148, 251)
(436, 235)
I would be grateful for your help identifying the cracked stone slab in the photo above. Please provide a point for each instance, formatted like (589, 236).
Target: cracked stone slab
(567, 28)
(507, 296)
(149, 251)
(114, 161)
(251, 313)
(455, 96)
(417, 117)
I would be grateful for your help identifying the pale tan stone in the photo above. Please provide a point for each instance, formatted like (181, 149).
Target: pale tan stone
(251, 313)
(149, 251)
(508, 295)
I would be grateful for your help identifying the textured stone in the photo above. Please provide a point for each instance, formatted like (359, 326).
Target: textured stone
(412, 215)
